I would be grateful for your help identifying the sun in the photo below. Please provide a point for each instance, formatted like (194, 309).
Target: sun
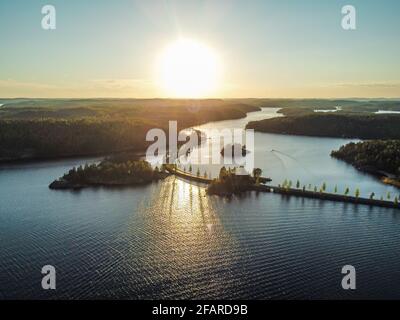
(188, 69)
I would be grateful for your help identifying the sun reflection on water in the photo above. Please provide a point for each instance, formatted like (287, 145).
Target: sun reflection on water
(184, 235)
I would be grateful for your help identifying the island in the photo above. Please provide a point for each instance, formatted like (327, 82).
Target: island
(229, 150)
(229, 182)
(109, 173)
(377, 157)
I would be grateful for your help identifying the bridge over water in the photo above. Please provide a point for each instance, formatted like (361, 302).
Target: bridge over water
(294, 192)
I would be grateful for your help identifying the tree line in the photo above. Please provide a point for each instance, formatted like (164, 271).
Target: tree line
(31, 132)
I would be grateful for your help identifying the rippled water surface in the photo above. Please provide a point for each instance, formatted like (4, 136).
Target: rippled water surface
(170, 240)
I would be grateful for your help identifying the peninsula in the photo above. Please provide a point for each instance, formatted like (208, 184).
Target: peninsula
(378, 157)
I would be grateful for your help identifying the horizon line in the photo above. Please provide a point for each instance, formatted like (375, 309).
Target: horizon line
(209, 98)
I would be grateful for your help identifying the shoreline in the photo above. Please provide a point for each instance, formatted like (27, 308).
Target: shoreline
(384, 177)
(391, 182)
(62, 184)
(29, 160)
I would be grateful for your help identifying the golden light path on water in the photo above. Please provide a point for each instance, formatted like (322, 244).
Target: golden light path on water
(187, 236)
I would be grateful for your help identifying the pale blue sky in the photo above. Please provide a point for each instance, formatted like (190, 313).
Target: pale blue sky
(285, 48)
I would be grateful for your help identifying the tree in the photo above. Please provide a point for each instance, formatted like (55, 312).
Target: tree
(198, 172)
(396, 200)
(290, 184)
(324, 187)
(357, 193)
(372, 195)
(223, 173)
(336, 189)
(190, 168)
(205, 174)
(257, 172)
(388, 195)
(315, 189)
(298, 184)
(346, 192)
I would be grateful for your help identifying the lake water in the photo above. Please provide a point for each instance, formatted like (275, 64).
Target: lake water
(329, 110)
(170, 240)
(387, 112)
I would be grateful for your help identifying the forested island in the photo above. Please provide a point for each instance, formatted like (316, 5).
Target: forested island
(230, 149)
(361, 126)
(56, 128)
(109, 173)
(379, 157)
(229, 182)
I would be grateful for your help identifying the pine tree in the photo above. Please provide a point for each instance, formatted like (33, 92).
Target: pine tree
(372, 195)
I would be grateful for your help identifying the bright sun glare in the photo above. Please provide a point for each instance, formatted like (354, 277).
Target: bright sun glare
(188, 69)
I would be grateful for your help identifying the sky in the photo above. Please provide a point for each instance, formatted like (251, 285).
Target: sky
(266, 48)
